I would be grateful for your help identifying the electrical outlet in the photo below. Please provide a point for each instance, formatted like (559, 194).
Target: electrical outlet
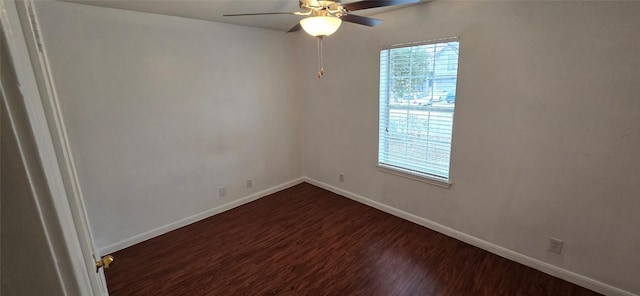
(222, 191)
(249, 183)
(555, 245)
(341, 177)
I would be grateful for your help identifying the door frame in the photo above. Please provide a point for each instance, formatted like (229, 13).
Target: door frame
(20, 26)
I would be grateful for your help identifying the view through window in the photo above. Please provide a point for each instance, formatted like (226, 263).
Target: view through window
(417, 103)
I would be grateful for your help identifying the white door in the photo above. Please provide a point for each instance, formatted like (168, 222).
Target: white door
(64, 206)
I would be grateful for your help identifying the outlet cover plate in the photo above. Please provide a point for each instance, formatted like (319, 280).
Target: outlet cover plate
(222, 191)
(555, 245)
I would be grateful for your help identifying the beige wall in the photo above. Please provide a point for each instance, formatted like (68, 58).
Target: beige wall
(546, 140)
(162, 111)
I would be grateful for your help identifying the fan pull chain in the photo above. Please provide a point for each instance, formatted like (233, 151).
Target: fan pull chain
(321, 71)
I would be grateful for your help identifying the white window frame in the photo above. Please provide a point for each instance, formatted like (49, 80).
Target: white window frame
(385, 164)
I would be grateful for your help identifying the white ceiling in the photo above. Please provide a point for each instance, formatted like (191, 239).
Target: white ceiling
(212, 10)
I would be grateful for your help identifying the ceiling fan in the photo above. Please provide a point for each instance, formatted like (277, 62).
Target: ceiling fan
(323, 17)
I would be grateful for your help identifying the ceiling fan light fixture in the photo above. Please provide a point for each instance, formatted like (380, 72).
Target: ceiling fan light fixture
(320, 25)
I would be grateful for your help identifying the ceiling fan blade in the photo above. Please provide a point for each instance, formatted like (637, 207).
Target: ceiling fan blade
(375, 3)
(361, 20)
(296, 28)
(260, 13)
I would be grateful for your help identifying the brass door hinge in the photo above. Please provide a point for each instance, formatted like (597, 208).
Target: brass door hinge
(104, 262)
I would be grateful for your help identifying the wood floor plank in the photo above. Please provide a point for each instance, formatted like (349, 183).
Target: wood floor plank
(307, 241)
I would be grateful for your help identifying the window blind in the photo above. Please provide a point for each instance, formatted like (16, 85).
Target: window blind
(417, 103)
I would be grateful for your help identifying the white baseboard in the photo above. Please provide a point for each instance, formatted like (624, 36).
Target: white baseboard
(553, 270)
(195, 218)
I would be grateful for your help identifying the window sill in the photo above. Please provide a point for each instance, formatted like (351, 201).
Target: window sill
(414, 176)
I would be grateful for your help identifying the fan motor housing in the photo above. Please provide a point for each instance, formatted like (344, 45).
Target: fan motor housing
(323, 8)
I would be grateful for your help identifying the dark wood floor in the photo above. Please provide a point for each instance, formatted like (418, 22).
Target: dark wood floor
(308, 241)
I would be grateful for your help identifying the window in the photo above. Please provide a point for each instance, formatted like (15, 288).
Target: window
(417, 103)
